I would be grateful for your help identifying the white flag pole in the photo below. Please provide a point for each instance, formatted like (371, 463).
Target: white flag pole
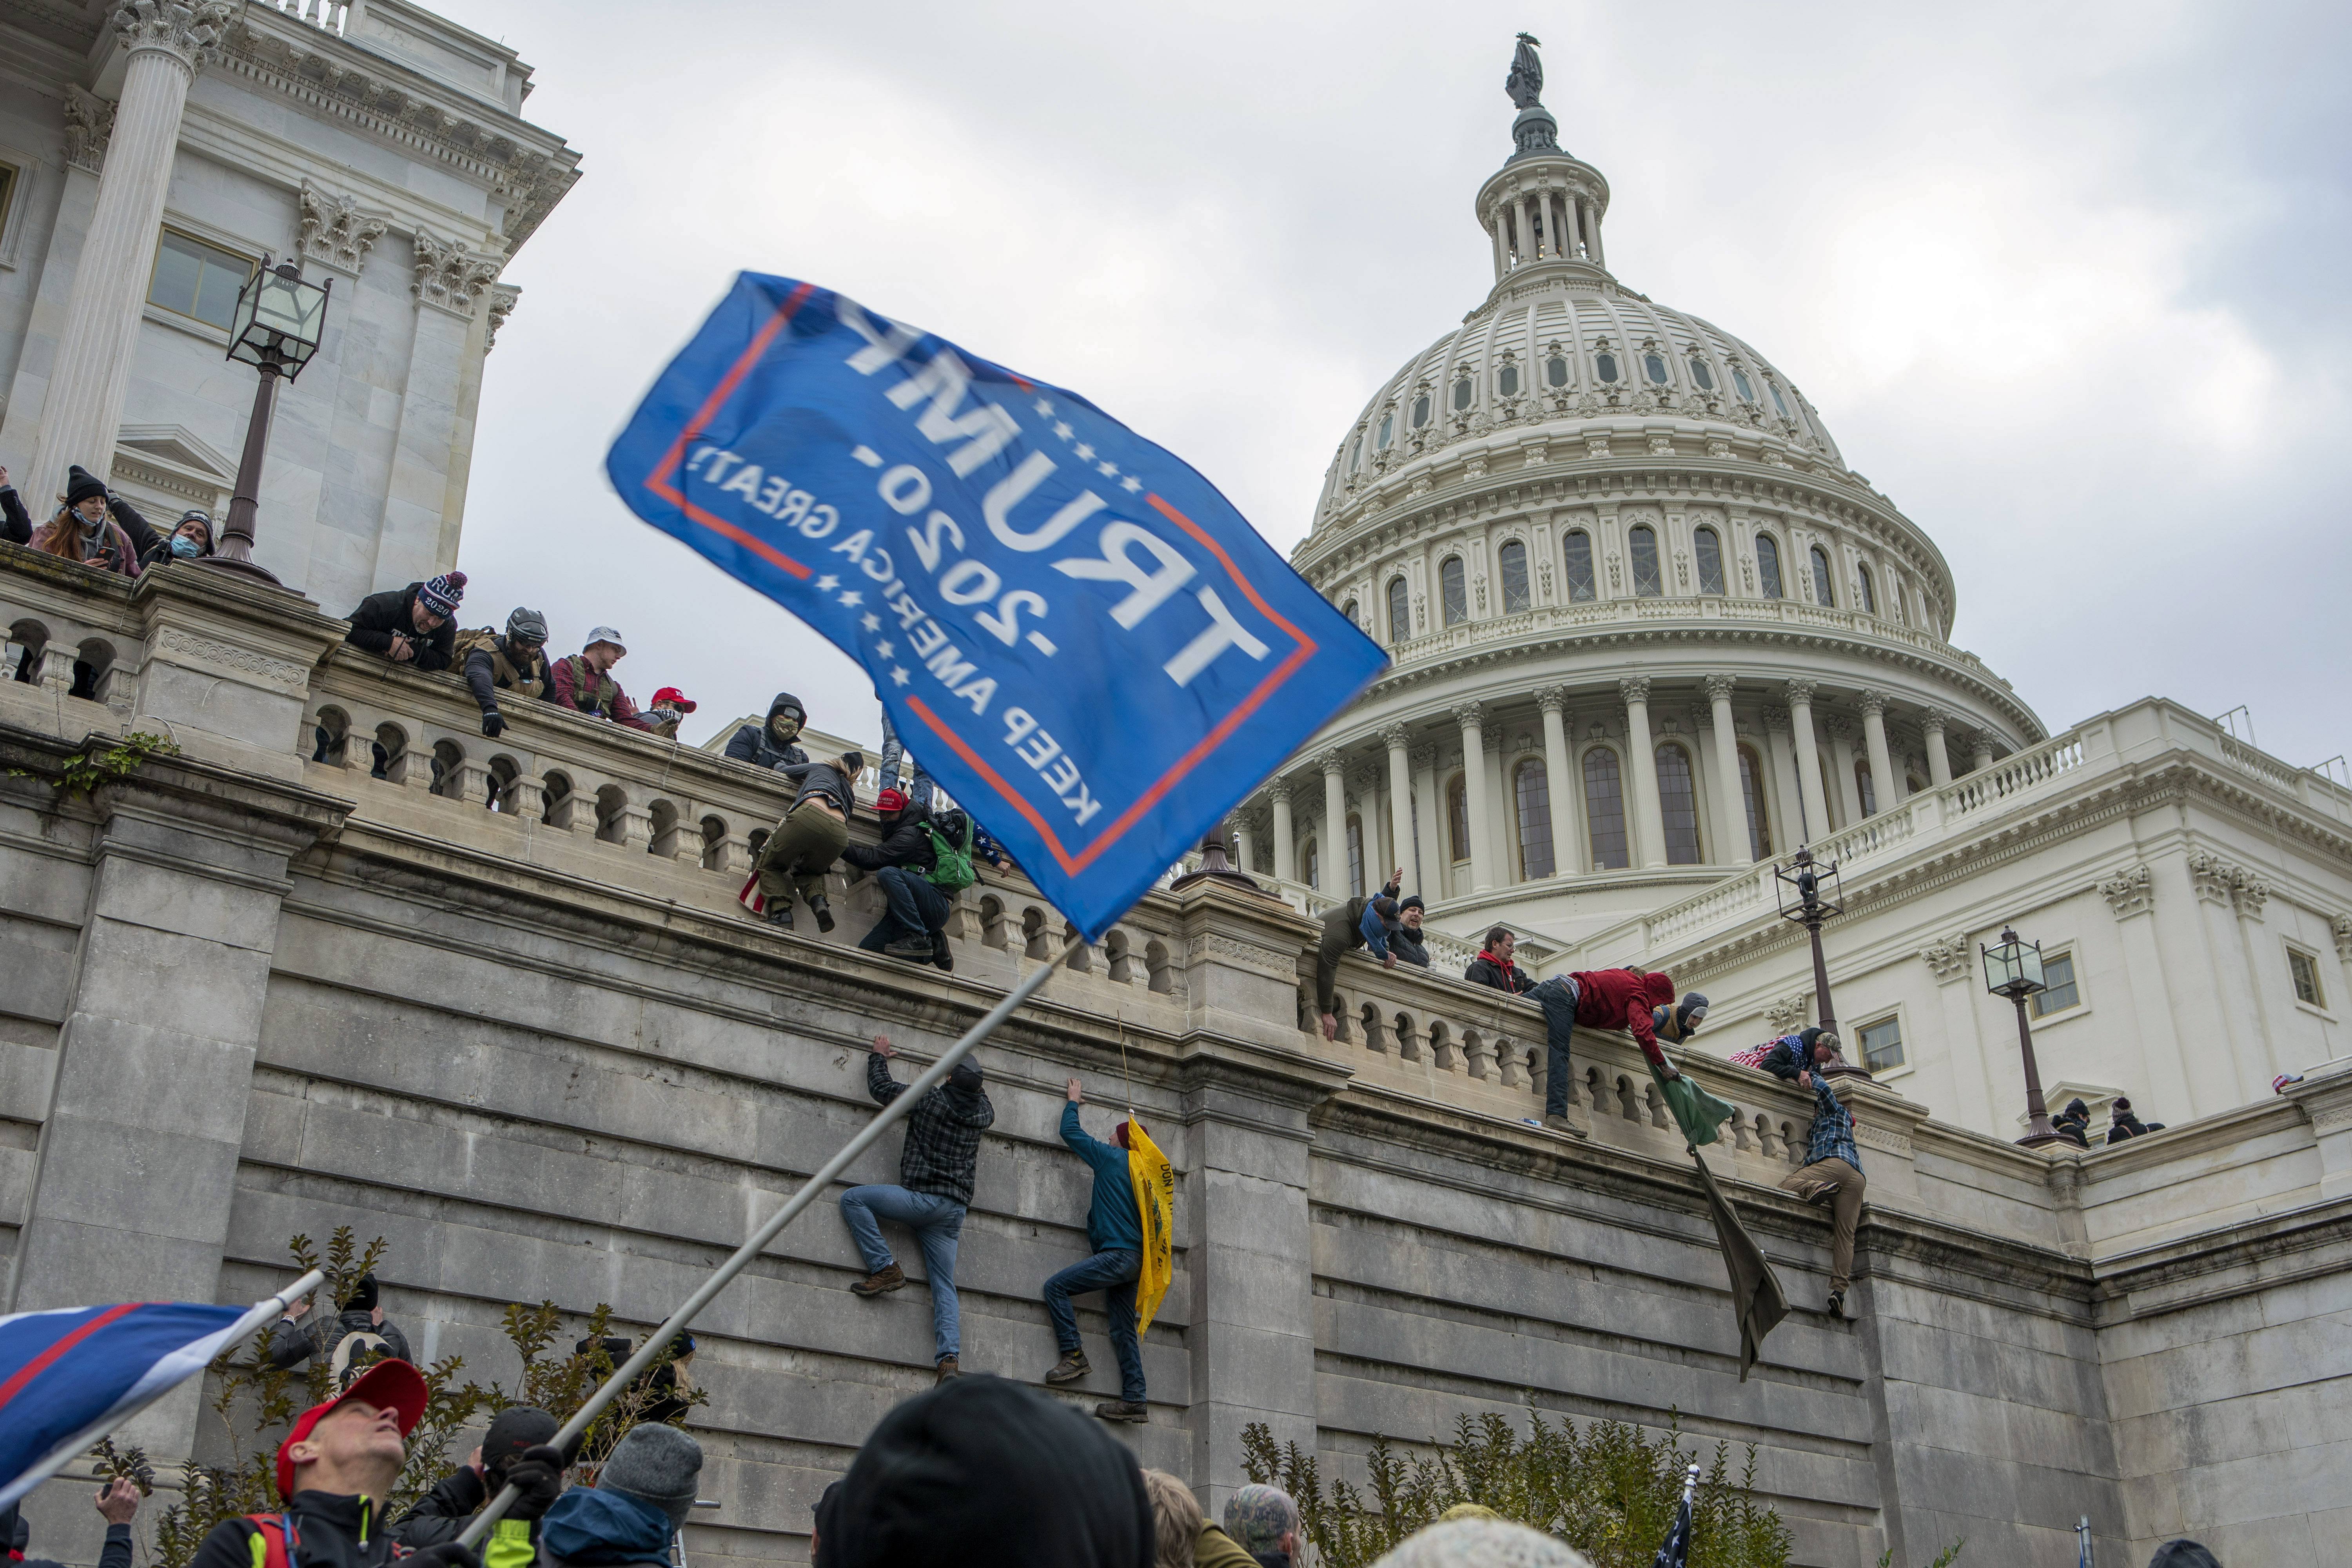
(809, 1191)
(65, 1453)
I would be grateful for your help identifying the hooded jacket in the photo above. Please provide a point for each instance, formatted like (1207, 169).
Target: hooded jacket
(330, 1530)
(983, 1473)
(1620, 999)
(598, 1529)
(382, 615)
(316, 1335)
(906, 841)
(757, 744)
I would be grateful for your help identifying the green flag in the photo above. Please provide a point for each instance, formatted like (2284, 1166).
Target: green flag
(1698, 1113)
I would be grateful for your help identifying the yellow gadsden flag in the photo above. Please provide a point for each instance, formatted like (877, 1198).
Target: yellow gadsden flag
(1154, 1181)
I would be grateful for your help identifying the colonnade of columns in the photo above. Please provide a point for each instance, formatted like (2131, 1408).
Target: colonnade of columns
(1545, 225)
(1406, 819)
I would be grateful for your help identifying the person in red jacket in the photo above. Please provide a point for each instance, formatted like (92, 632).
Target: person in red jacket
(1623, 999)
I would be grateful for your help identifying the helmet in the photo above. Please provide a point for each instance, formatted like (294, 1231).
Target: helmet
(528, 624)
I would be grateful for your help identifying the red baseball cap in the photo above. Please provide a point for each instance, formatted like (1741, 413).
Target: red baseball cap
(671, 697)
(889, 800)
(393, 1385)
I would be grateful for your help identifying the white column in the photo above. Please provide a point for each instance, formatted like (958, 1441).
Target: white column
(1809, 762)
(1567, 832)
(1593, 232)
(1786, 791)
(1471, 717)
(1649, 819)
(1841, 731)
(1397, 737)
(1502, 253)
(1426, 866)
(1983, 757)
(1883, 782)
(1245, 844)
(1732, 844)
(1285, 846)
(1940, 761)
(1332, 845)
(167, 42)
(1527, 239)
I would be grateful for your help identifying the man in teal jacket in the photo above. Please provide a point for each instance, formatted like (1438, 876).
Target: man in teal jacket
(1115, 1231)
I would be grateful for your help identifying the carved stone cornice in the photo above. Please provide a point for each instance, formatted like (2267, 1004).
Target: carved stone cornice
(2132, 892)
(189, 31)
(450, 275)
(503, 298)
(337, 230)
(89, 125)
(1634, 689)
(1719, 688)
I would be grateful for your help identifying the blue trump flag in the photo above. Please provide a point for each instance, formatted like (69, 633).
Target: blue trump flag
(1092, 650)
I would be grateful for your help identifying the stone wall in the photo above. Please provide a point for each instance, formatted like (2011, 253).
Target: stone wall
(527, 1036)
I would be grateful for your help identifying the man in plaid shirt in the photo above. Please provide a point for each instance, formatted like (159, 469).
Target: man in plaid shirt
(1831, 1174)
(934, 1187)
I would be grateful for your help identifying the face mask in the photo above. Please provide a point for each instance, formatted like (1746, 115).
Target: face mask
(183, 547)
(784, 726)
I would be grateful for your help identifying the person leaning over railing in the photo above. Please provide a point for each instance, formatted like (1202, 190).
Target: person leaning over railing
(1344, 930)
(583, 683)
(810, 838)
(81, 529)
(516, 662)
(411, 626)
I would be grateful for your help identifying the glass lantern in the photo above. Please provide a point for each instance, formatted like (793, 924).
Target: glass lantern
(280, 319)
(2013, 968)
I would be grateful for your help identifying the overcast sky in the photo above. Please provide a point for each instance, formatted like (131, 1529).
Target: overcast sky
(2067, 283)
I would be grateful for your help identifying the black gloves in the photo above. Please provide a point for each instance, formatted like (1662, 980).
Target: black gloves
(539, 1475)
(448, 1554)
(494, 722)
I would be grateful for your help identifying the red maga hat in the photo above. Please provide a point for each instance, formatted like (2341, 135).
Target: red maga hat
(393, 1385)
(671, 697)
(890, 800)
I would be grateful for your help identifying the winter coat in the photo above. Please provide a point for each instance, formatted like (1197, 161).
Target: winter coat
(575, 684)
(489, 671)
(330, 1530)
(314, 1334)
(1620, 999)
(1501, 973)
(818, 781)
(1213, 1548)
(1113, 1222)
(123, 543)
(1409, 946)
(592, 1529)
(756, 743)
(382, 615)
(159, 553)
(906, 841)
(443, 1513)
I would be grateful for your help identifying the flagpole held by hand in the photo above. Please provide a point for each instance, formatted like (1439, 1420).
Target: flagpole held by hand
(809, 1191)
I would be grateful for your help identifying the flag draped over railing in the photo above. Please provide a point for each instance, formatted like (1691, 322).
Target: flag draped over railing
(1095, 653)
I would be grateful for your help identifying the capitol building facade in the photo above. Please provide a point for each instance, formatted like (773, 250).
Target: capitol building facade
(1651, 632)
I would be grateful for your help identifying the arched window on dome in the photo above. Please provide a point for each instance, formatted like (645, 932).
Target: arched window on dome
(1555, 371)
(1655, 368)
(1577, 547)
(1708, 547)
(1512, 558)
(1454, 592)
(1823, 594)
(1677, 806)
(1462, 393)
(1751, 793)
(1388, 429)
(1457, 821)
(1642, 544)
(1506, 380)
(1703, 373)
(1861, 581)
(1864, 787)
(1420, 410)
(1777, 403)
(1604, 366)
(1531, 790)
(1356, 453)
(1400, 612)
(1767, 566)
(1604, 810)
(1355, 856)
(1739, 384)
(1353, 614)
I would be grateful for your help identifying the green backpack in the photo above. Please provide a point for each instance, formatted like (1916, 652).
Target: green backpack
(952, 869)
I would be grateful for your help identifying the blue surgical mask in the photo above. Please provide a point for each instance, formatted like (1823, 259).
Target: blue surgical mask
(186, 548)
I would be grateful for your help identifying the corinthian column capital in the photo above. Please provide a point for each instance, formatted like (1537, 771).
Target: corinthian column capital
(1800, 693)
(1331, 761)
(1719, 688)
(1396, 737)
(1552, 700)
(187, 30)
(1634, 689)
(1874, 703)
(1469, 713)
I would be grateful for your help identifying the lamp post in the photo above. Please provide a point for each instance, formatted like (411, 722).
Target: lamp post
(278, 323)
(2013, 970)
(1810, 893)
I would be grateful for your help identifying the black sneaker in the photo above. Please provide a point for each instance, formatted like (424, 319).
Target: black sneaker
(918, 950)
(942, 960)
(823, 913)
(1837, 1305)
(779, 915)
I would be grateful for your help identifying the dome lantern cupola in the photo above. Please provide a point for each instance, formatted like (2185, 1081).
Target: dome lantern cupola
(1543, 208)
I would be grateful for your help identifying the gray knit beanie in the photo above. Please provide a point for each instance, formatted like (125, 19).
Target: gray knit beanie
(656, 1465)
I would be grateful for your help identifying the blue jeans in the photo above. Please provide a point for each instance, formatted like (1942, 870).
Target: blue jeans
(918, 911)
(918, 786)
(1556, 998)
(1114, 1274)
(937, 1222)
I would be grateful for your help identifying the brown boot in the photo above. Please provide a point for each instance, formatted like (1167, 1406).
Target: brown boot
(881, 1281)
(1122, 1410)
(1069, 1369)
(947, 1369)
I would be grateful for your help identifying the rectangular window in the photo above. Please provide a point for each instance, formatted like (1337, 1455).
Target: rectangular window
(2306, 974)
(193, 279)
(1882, 1045)
(8, 194)
(2059, 993)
